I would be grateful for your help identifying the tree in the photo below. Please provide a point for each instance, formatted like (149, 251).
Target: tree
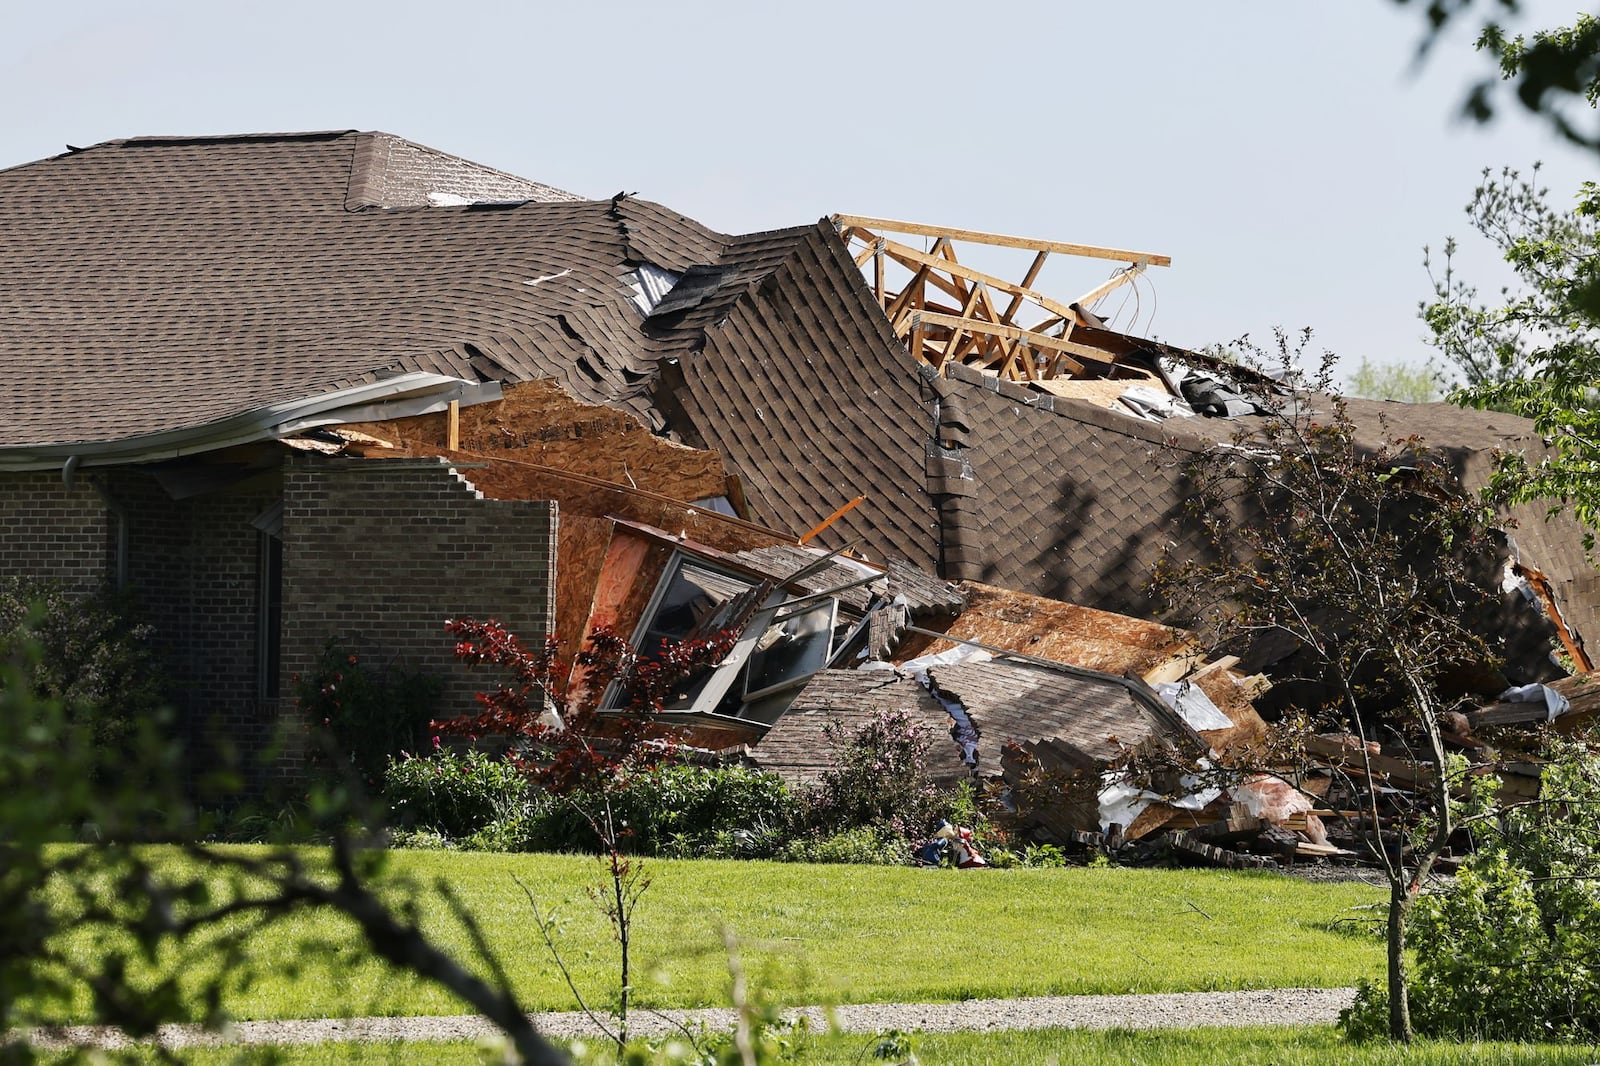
(1393, 381)
(1537, 353)
(1549, 71)
(1508, 950)
(1362, 559)
(156, 924)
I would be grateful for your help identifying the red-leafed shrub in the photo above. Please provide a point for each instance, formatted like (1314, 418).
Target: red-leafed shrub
(560, 737)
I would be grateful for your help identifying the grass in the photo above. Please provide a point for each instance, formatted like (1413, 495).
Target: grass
(820, 934)
(1308, 1046)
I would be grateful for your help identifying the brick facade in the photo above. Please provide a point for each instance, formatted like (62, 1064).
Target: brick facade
(54, 533)
(378, 553)
(375, 553)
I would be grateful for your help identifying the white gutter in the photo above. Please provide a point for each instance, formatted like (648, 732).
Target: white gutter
(396, 397)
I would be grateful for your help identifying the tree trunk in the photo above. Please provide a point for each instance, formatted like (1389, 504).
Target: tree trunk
(1400, 899)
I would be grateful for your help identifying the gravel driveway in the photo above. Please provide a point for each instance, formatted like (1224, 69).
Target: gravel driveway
(1278, 1006)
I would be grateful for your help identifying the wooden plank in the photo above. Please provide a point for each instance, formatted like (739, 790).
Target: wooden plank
(453, 426)
(1014, 333)
(1027, 282)
(1001, 240)
(877, 272)
(911, 258)
(1122, 278)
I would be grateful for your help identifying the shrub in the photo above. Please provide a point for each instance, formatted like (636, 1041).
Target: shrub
(676, 810)
(372, 712)
(863, 845)
(91, 655)
(879, 778)
(1511, 950)
(456, 795)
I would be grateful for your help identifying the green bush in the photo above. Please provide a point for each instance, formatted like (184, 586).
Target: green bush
(90, 654)
(676, 810)
(455, 795)
(1511, 950)
(879, 778)
(863, 845)
(372, 712)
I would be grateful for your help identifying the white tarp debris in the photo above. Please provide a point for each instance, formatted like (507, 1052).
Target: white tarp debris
(1193, 704)
(650, 285)
(1153, 404)
(966, 734)
(1555, 703)
(1121, 801)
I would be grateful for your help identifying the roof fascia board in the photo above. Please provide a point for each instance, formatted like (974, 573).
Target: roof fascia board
(397, 397)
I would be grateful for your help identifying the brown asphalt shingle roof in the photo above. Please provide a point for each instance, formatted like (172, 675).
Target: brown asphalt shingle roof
(159, 283)
(804, 390)
(797, 748)
(1083, 721)
(1065, 499)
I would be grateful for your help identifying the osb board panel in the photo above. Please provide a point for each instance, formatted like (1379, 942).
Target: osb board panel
(579, 494)
(581, 544)
(1061, 632)
(1102, 392)
(1223, 688)
(537, 422)
(647, 574)
(627, 577)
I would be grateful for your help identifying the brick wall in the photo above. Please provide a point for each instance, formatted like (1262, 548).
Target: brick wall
(50, 532)
(378, 553)
(193, 570)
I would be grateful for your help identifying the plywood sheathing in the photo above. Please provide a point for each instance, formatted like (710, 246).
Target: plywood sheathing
(1098, 640)
(1061, 632)
(581, 544)
(538, 422)
(579, 494)
(1102, 392)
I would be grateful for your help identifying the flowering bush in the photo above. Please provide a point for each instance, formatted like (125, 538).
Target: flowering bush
(87, 652)
(879, 778)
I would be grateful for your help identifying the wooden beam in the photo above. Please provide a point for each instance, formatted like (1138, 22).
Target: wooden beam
(453, 426)
(996, 329)
(909, 257)
(1001, 240)
(831, 519)
(1027, 283)
(1122, 278)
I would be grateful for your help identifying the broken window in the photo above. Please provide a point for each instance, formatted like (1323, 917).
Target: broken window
(795, 646)
(782, 641)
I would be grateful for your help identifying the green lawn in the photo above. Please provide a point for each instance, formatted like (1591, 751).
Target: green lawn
(1310, 1046)
(819, 934)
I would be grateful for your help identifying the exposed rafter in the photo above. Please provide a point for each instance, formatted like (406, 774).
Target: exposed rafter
(946, 311)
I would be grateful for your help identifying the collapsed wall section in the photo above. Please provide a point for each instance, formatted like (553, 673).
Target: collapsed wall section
(379, 553)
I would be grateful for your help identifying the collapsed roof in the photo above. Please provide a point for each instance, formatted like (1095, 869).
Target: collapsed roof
(167, 295)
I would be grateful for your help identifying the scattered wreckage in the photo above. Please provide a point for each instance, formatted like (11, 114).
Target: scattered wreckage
(1041, 698)
(564, 412)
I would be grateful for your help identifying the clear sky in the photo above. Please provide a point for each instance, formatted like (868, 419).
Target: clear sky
(1288, 156)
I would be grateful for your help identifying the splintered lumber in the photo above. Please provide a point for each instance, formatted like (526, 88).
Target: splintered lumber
(999, 239)
(944, 311)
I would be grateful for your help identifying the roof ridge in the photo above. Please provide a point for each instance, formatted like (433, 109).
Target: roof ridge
(178, 140)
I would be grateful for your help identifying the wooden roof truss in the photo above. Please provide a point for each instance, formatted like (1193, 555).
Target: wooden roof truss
(945, 311)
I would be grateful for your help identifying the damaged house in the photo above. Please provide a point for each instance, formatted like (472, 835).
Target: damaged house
(297, 387)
